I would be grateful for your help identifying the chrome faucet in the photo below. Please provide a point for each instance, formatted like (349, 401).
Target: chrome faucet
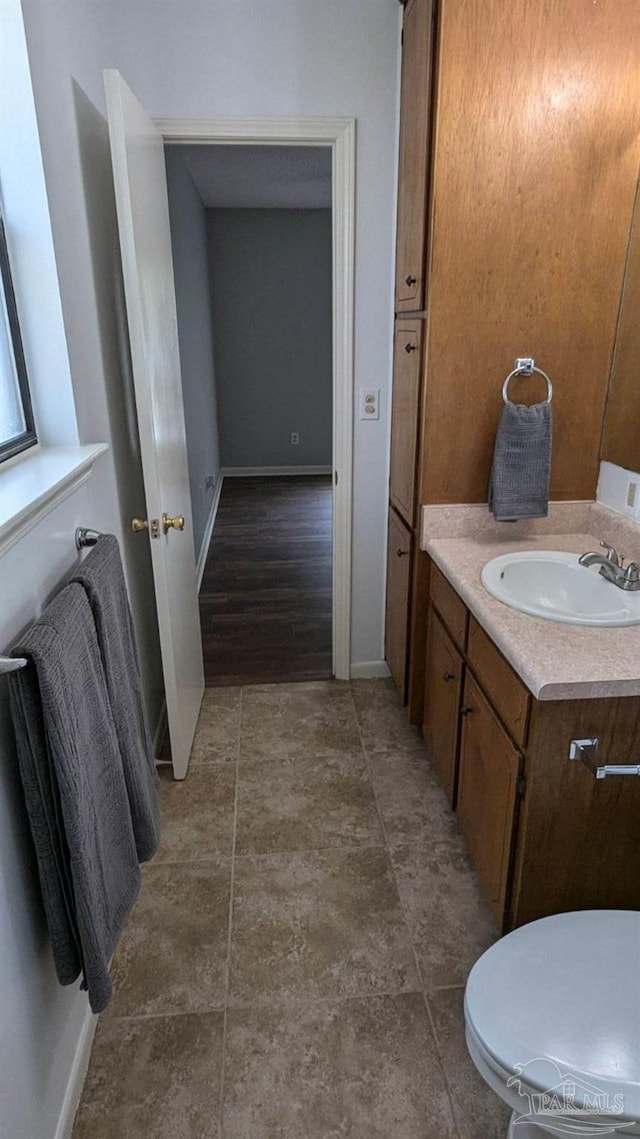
(612, 568)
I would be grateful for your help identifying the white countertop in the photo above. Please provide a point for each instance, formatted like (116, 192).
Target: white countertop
(556, 661)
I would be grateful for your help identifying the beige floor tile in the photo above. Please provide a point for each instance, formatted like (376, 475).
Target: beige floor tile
(412, 802)
(315, 925)
(216, 738)
(172, 955)
(366, 1069)
(282, 722)
(478, 1111)
(197, 813)
(449, 920)
(311, 804)
(155, 1078)
(383, 721)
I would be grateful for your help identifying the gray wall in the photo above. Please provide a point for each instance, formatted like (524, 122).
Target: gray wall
(195, 333)
(271, 290)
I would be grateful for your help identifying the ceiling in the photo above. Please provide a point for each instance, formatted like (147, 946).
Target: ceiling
(261, 177)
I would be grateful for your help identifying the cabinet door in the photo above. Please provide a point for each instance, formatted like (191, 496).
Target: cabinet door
(407, 354)
(443, 687)
(415, 117)
(399, 555)
(487, 794)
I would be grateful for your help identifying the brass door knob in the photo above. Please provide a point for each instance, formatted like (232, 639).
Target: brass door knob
(139, 524)
(175, 523)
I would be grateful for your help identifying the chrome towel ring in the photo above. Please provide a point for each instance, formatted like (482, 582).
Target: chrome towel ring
(526, 366)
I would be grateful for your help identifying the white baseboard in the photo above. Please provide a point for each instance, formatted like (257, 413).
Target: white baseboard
(257, 472)
(161, 731)
(208, 531)
(369, 669)
(77, 1076)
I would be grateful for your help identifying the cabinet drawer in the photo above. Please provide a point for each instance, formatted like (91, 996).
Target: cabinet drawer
(450, 607)
(505, 690)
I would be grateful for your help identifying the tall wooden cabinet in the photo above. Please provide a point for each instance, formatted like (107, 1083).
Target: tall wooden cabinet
(410, 292)
(515, 202)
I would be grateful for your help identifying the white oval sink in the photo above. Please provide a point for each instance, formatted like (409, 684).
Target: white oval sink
(552, 584)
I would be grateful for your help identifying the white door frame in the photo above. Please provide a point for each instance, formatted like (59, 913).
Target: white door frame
(340, 135)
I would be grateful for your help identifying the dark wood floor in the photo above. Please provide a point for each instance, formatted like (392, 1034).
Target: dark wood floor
(265, 601)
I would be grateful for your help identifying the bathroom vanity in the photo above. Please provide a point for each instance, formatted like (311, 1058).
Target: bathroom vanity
(505, 696)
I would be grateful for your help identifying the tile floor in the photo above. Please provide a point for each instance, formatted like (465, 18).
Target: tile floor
(294, 968)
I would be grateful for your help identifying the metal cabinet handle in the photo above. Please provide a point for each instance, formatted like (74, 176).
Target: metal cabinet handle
(466, 711)
(448, 676)
(411, 347)
(400, 553)
(587, 750)
(411, 280)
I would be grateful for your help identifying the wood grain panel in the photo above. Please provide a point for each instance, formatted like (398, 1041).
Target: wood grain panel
(621, 436)
(578, 836)
(536, 161)
(442, 691)
(399, 552)
(504, 688)
(420, 577)
(407, 371)
(450, 607)
(487, 793)
(415, 118)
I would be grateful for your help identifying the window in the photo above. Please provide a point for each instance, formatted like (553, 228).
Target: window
(17, 430)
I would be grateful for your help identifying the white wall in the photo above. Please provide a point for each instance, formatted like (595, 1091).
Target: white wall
(300, 57)
(41, 1023)
(271, 291)
(195, 334)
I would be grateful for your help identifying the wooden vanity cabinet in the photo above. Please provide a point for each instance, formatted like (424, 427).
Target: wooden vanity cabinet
(444, 674)
(399, 554)
(544, 834)
(490, 769)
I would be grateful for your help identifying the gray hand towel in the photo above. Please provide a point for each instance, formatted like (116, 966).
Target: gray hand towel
(45, 817)
(88, 808)
(102, 577)
(519, 486)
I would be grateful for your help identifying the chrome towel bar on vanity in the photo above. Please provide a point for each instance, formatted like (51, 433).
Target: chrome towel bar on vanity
(587, 750)
(84, 538)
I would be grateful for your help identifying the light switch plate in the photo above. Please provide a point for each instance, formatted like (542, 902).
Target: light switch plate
(370, 403)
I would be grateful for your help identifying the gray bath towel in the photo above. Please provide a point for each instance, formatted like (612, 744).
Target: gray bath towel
(84, 805)
(102, 577)
(519, 486)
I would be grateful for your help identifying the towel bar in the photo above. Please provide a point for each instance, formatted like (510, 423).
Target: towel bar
(11, 664)
(86, 537)
(587, 750)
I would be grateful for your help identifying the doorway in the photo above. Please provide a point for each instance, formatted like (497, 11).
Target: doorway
(338, 135)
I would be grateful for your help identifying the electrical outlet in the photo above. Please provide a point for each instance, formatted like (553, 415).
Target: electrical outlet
(295, 438)
(370, 403)
(632, 494)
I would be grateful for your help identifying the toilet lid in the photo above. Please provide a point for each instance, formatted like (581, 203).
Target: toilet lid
(559, 1002)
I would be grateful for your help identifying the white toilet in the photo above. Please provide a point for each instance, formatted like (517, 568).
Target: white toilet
(553, 1024)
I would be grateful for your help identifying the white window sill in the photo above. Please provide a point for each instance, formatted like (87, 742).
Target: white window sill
(33, 483)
